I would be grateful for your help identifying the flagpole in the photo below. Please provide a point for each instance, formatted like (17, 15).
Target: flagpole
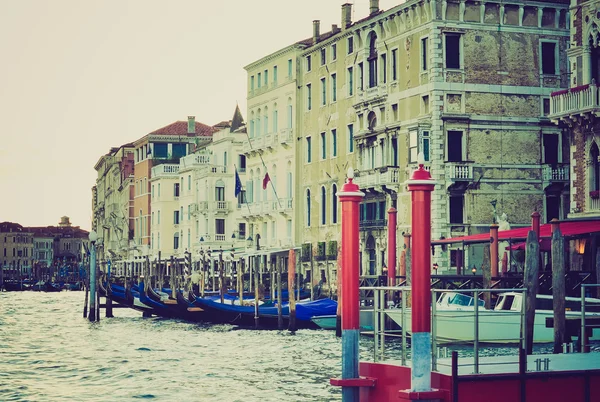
(266, 170)
(247, 205)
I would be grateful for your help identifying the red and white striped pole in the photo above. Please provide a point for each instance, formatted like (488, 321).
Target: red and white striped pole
(421, 185)
(350, 197)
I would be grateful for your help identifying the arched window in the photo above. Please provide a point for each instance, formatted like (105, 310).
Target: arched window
(323, 206)
(266, 121)
(372, 59)
(289, 113)
(257, 186)
(308, 207)
(275, 117)
(372, 120)
(251, 133)
(257, 125)
(334, 202)
(219, 190)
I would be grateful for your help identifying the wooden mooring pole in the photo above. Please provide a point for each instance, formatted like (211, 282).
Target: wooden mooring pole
(291, 290)
(531, 281)
(558, 286)
(279, 298)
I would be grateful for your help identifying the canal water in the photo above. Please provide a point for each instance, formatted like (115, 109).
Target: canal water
(49, 352)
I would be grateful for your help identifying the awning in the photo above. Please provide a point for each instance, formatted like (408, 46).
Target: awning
(568, 228)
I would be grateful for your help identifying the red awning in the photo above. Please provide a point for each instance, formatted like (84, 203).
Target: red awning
(567, 228)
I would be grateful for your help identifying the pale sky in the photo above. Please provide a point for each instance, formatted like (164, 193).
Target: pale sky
(81, 76)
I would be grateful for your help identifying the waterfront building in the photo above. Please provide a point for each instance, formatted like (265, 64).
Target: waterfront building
(445, 79)
(16, 245)
(575, 110)
(194, 206)
(164, 146)
(269, 175)
(113, 204)
(43, 250)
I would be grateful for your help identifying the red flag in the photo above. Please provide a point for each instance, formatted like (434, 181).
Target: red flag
(266, 181)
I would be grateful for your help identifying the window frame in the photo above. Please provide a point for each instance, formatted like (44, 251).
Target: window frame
(424, 54)
(556, 57)
(458, 35)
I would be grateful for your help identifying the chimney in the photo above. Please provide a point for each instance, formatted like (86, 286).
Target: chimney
(374, 7)
(334, 28)
(316, 31)
(346, 15)
(191, 125)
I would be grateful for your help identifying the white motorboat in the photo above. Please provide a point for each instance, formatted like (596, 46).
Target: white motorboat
(455, 318)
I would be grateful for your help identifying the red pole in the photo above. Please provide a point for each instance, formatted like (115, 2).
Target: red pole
(421, 185)
(535, 223)
(391, 255)
(350, 197)
(494, 249)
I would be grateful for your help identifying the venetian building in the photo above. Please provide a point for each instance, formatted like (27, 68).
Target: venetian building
(270, 170)
(444, 79)
(16, 246)
(113, 205)
(575, 109)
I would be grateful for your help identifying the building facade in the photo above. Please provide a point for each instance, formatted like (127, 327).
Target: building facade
(16, 245)
(575, 110)
(445, 80)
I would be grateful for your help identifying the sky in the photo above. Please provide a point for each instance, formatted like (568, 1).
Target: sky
(79, 77)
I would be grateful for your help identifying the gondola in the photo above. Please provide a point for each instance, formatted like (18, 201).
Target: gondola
(46, 286)
(230, 313)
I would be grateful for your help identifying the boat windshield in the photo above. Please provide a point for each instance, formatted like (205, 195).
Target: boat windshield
(459, 299)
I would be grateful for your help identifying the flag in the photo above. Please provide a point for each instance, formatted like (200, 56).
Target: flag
(238, 183)
(266, 181)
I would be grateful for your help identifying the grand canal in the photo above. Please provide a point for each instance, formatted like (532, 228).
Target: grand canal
(49, 352)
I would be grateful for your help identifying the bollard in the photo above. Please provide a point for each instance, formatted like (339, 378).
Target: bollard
(350, 198)
(420, 186)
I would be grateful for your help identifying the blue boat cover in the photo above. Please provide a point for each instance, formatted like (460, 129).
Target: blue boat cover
(305, 311)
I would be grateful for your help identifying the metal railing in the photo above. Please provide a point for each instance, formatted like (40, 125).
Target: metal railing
(384, 295)
(583, 341)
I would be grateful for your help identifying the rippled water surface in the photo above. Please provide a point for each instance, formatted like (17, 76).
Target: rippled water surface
(49, 352)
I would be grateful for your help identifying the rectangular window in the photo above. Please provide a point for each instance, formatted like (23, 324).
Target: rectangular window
(266, 77)
(334, 52)
(425, 104)
(274, 75)
(189, 211)
(413, 146)
(220, 226)
(383, 68)
(545, 106)
(424, 54)
(456, 208)
(455, 146)
(323, 92)
(350, 138)
(179, 150)
(361, 73)
(334, 142)
(452, 50)
(161, 151)
(241, 230)
(350, 81)
(350, 44)
(176, 241)
(189, 182)
(323, 146)
(308, 63)
(308, 96)
(308, 150)
(158, 217)
(176, 217)
(176, 190)
(548, 58)
(333, 87)
(323, 56)
(394, 64)
(252, 83)
(290, 72)
(259, 79)
(424, 143)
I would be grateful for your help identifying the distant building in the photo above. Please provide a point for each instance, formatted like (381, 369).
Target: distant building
(16, 245)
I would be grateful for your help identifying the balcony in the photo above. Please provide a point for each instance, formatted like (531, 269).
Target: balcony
(194, 160)
(214, 206)
(373, 224)
(286, 136)
(570, 104)
(459, 171)
(165, 170)
(557, 173)
(271, 140)
(385, 176)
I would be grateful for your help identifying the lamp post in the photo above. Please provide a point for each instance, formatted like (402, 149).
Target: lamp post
(93, 236)
(474, 270)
